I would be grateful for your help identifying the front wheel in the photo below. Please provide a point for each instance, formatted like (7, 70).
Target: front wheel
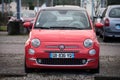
(97, 70)
(27, 70)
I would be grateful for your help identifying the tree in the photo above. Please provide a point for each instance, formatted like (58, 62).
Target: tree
(112, 2)
(66, 2)
(5, 1)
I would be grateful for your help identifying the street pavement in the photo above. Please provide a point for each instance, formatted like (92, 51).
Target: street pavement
(12, 62)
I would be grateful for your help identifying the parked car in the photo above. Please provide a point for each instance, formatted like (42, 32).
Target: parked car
(62, 38)
(97, 18)
(111, 23)
(15, 26)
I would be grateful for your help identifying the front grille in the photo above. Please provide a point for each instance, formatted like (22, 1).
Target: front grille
(64, 51)
(66, 46)
(62, 61)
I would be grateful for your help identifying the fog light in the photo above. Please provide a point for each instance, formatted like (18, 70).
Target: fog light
(39, 61)
(83, 61)
(92, 52)
(31, 51)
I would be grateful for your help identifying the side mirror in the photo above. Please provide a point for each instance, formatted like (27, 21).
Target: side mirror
(27, 24)
(98, 25)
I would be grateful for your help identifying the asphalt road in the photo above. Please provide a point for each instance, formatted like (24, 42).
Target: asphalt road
(12, 62)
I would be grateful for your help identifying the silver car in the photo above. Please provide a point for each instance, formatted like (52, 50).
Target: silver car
(111, 22)
(97, 18)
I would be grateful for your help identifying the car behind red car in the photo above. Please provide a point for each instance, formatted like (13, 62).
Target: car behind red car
(62, 38)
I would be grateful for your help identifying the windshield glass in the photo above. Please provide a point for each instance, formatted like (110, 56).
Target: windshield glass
(115, 13)
(62, 19)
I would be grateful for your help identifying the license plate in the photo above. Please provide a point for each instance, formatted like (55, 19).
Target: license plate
(61, 55)
(117, 26)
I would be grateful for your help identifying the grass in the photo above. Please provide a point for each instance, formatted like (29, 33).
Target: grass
(3, 28)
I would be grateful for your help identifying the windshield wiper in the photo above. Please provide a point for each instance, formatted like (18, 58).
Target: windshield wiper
(64, 27)
(42, 27)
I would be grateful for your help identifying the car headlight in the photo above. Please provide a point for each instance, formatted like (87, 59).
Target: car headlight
(35, 42)
(88, 43)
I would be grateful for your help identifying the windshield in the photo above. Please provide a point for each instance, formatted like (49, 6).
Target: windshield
(115, 13)
(62, 19)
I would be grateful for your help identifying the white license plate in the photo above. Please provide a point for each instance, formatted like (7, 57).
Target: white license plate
(61, 55)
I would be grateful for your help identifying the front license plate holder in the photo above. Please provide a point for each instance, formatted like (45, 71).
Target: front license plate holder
(61, 55)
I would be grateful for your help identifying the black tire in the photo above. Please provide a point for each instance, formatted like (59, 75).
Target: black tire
(97, 70)
(105, 38)
(100, 36)
(97, 33)
(28, 70)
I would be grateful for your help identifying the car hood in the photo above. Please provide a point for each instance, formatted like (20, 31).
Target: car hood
(62, 35)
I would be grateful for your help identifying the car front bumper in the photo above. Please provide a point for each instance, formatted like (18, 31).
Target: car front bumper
(89, 64)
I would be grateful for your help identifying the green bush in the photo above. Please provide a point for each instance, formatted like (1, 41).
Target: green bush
(3, 28)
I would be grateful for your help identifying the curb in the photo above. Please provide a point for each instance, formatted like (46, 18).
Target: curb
(13, 74)
(101, 77)
(7, 42)
(110, 44)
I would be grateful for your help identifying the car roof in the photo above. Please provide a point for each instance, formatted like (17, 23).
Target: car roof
(28, 11)
(64, 7)
(113, 6)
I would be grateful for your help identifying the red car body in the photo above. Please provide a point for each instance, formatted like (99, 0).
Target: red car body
(62, 49)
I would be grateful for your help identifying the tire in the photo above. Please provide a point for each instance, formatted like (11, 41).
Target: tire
(28, 70)
(100, 36)
(105, 39)
(97, 33)
(97, 70)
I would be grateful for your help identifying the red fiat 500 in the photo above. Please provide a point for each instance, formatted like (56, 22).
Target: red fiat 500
(62, 38)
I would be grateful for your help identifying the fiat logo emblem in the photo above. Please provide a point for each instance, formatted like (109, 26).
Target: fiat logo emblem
(61, 47)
